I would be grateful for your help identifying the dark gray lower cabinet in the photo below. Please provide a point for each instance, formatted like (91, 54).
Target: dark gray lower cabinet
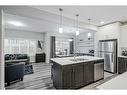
(67, 77)
(122, 65)
(72, 76)
(78, 73)
(88, 72)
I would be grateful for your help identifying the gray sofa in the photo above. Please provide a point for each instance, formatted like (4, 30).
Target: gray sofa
(16, 58)
(14, 71)
(16, 66)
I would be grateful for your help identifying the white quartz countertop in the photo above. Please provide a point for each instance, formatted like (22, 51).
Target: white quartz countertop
(67, 60)
(123, 56)
(117, 83)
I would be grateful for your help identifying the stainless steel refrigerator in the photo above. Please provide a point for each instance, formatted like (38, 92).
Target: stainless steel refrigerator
(108, 50)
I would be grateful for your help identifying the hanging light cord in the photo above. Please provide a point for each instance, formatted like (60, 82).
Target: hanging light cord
(77, 21)
(89, 20)
(60, 16)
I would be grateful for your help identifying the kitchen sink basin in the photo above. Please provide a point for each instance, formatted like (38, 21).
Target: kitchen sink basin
(78, 59)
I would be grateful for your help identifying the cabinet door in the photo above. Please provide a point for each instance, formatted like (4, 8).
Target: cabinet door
(78, 74)
(121, 65)
(126, 64)
(88, 72)
(67, 77)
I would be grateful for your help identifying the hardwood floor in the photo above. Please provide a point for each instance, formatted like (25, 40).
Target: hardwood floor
(107, 77)
(41, 79)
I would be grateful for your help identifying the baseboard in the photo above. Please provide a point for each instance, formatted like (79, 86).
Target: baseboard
(109, 72)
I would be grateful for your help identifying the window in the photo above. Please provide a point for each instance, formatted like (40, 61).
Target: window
(62, 46)
(20, 46)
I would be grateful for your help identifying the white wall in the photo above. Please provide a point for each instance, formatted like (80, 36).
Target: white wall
(123, 38)
(1, 50)
(110, 31)
(83, 45)
(10, 33)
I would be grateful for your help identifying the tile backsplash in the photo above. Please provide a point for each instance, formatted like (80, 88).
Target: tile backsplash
(124, 51)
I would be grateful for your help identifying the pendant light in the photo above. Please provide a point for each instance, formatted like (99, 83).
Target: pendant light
(60, 26)
(77, 30)
(89, 34)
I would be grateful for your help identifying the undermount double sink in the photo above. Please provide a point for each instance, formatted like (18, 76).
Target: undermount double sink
(78, 59)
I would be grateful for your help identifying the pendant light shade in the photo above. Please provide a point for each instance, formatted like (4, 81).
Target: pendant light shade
(77, 30)
(60, 26)
(89, 34)
(60, 30)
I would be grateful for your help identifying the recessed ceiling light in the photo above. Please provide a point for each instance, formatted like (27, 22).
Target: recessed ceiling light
(16, 23)
(102, 22)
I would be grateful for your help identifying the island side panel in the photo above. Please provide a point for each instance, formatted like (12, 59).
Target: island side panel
(56, 72)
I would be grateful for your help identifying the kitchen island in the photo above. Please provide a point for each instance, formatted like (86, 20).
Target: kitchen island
(70, 73)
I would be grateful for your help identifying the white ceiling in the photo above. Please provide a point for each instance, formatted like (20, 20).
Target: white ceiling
(107, 14)
(36, 25)
(29, 24)
(41, 21)
(45, 18)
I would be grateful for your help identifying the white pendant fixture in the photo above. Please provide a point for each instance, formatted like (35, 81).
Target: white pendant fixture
(77, 29)
(70, 40)
(77, 32)
(60, 30)
(89, 35)
(60, 26)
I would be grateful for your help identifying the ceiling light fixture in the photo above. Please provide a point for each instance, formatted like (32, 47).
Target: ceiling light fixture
(60, 26)
(77, 30)
(102, 22)
(70, 40)
(16, 23)
(89, 35)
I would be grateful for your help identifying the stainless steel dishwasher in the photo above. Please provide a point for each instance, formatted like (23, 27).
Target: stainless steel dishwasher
(98, 71)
